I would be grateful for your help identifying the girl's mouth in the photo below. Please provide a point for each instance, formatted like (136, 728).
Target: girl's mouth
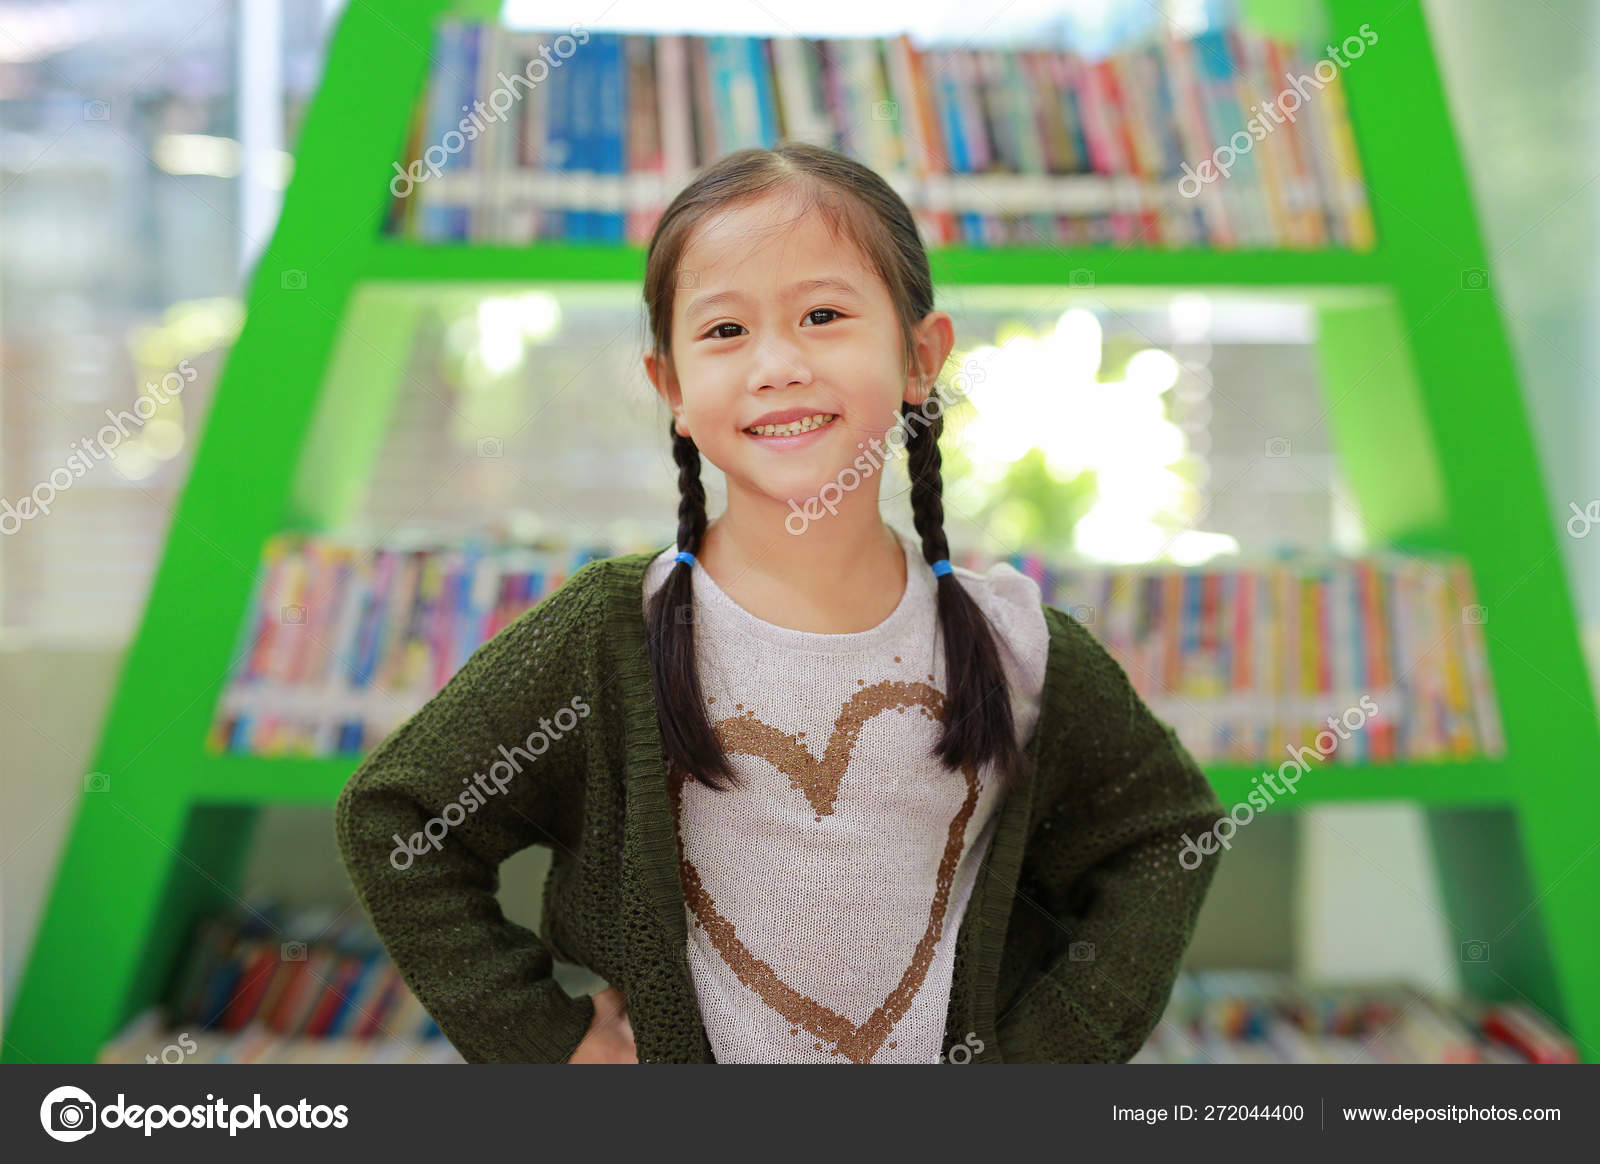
(794, 433)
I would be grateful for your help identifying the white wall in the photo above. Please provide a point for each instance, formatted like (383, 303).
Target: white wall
(51, 699)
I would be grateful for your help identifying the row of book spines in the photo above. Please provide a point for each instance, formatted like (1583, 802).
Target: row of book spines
(448, 612)
(386, 625)
(1279, 641)
(328, 616)
(1134, 115)
(461, 597)
(1389, 1025)
(267, 718)
(1213, 730)
(233, 981)
(1356, 627)
(1212, 738)
(252, 1044)
(1268, 735)
(574, 123)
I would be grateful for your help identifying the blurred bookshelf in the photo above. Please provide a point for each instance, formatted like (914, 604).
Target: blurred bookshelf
(1379, 241)
(247, 994)
(989, 147)
(151, 1039)
(342, 643)
(1214, 1017)
(1221, 1017)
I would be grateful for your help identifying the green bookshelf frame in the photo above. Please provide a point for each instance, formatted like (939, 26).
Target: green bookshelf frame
(1421, 393)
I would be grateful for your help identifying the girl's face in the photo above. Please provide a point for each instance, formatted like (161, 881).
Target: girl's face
(776, 321)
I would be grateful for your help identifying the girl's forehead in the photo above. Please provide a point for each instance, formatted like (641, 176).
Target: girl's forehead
(733, 235)
(760, 245)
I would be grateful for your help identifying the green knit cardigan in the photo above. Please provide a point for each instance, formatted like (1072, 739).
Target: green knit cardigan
(1067, 952)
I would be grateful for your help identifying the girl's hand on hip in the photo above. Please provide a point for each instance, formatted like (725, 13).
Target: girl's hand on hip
(609, 1038)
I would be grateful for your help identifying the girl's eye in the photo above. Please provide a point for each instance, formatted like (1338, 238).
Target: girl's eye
(716, 331)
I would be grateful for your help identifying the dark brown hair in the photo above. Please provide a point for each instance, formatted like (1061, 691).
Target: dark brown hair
(860, 207)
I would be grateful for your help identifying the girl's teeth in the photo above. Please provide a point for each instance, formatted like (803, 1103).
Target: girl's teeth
(794, 427)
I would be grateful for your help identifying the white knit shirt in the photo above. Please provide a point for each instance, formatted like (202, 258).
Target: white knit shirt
(823, 897)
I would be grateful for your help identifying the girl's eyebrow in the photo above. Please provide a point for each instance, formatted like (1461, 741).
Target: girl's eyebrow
(702, 302)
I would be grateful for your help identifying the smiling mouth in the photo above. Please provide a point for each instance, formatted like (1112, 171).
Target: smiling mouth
(794, 427)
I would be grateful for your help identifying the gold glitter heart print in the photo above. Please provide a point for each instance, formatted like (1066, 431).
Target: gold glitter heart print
(818, 781)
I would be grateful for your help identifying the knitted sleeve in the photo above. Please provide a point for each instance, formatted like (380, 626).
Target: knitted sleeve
(426, 819)
(1102, 866)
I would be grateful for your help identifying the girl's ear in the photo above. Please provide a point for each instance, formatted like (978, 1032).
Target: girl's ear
(666, 385)
(931, 341)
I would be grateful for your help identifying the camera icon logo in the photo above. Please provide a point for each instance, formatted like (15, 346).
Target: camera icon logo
(1080, 951)
(1474, 279)
(1475, 951)
(294, 612)
(1080, 277)
(1476, 614)
(688, 279)
(293, 279)
(885, 111)
(67, 1114)
(97, 111)
(1278, 447)
(293, 951)
(491, 447)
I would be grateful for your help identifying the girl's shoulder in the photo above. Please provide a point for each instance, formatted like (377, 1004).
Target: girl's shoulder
(1013, 603)
(570, 615)
(1014, 606)
(600, 578)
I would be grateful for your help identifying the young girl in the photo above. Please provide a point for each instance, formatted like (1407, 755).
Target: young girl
(813, 794)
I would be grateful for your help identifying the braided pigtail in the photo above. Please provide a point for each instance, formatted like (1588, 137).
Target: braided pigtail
(691, 742)
(978, 725)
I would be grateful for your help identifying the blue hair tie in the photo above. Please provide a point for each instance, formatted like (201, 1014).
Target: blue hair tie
(685, 556)
(941, 567)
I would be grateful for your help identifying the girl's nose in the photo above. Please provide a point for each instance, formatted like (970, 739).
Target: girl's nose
(778, 365)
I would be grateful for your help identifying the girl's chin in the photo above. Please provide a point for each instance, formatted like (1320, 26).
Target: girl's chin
(808, 487)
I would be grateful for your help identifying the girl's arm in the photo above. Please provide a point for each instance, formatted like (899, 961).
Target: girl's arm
(1101, 885)
(425, 821)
